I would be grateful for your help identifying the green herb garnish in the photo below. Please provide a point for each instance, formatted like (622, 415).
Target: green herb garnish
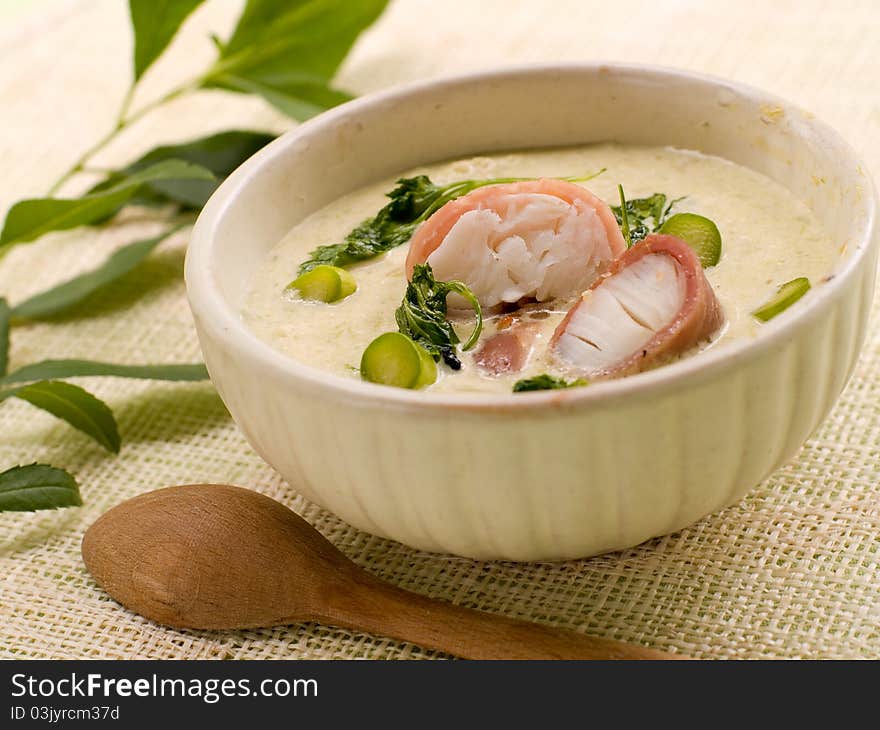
(632, 215)
(546, 382)
(786, 295)
(413, 201)
(422, 315)
(623, 218)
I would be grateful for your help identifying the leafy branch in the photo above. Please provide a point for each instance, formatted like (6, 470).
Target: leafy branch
(40, 383)
(287, 52)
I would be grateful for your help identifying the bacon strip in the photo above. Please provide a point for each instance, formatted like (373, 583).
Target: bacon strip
(507, 350)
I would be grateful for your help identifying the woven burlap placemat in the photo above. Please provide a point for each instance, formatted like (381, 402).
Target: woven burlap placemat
(791, 571)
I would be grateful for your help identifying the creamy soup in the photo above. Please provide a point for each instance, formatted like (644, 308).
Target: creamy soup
(768, 236)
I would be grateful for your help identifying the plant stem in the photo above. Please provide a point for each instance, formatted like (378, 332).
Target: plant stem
(97, 170)
(126, 104)
(122, 121)
(78, 165)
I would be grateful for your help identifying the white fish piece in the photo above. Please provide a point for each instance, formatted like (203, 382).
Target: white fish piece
(654, 303)
(540, 239)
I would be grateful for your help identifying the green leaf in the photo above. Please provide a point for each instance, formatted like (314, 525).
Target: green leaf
(269, 29)
(288, 50)
(4, 336)
(220, 153)
(37, 486)
(53, 369)
(73, 404)
(299, 101)
(72, 292)
(30, 219)
(155, 23)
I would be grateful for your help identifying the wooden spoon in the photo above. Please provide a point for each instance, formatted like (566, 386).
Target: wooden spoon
(220, 557)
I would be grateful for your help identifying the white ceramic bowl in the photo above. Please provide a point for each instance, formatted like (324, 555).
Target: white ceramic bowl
(548, 475)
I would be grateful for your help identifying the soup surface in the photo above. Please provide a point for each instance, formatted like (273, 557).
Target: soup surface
(769, 238)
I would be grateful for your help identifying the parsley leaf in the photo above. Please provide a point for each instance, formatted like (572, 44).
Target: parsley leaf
(422, 315)
(632, 215)
(545, 382)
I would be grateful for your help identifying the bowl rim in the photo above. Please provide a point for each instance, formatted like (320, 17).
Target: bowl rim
(227, 324)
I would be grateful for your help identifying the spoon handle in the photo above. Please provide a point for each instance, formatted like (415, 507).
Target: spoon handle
(380, 608)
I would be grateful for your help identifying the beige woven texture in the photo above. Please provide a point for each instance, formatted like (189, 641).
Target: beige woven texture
(792, 571)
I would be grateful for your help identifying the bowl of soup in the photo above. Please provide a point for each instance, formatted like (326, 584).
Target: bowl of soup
(537, 313)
